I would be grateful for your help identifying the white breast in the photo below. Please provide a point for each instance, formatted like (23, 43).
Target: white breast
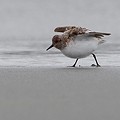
(81, 47)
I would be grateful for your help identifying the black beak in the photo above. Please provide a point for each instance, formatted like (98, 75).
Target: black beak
(49, 47)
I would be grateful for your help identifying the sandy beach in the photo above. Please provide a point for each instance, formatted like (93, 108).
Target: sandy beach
(36, 93)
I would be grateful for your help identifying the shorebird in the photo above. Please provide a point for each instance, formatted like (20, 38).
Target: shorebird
(77, 42)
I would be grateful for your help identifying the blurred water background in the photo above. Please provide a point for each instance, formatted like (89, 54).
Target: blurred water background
(26, 29)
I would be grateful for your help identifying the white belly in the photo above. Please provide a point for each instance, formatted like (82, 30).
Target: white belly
(80, 49)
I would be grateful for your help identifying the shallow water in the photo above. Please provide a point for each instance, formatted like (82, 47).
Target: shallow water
(33, 53)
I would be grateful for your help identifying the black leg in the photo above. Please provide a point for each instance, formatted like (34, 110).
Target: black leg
(75, 63)
(95, 60)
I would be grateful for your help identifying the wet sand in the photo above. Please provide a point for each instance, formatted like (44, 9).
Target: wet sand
(36, 93)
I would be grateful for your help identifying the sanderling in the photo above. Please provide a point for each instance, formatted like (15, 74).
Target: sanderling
(77, 42)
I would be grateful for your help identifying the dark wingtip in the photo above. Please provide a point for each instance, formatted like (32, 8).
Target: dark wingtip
(107, 33)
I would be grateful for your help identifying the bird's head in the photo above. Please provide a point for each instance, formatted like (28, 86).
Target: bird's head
(56, 40)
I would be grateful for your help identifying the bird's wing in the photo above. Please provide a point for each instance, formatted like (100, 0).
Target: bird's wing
(97, 34)
(88, 35)
(71, 29)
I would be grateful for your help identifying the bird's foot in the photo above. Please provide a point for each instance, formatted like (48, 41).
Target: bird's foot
(98, 65)
(93, 65)
(74, 66)
(71, 66)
